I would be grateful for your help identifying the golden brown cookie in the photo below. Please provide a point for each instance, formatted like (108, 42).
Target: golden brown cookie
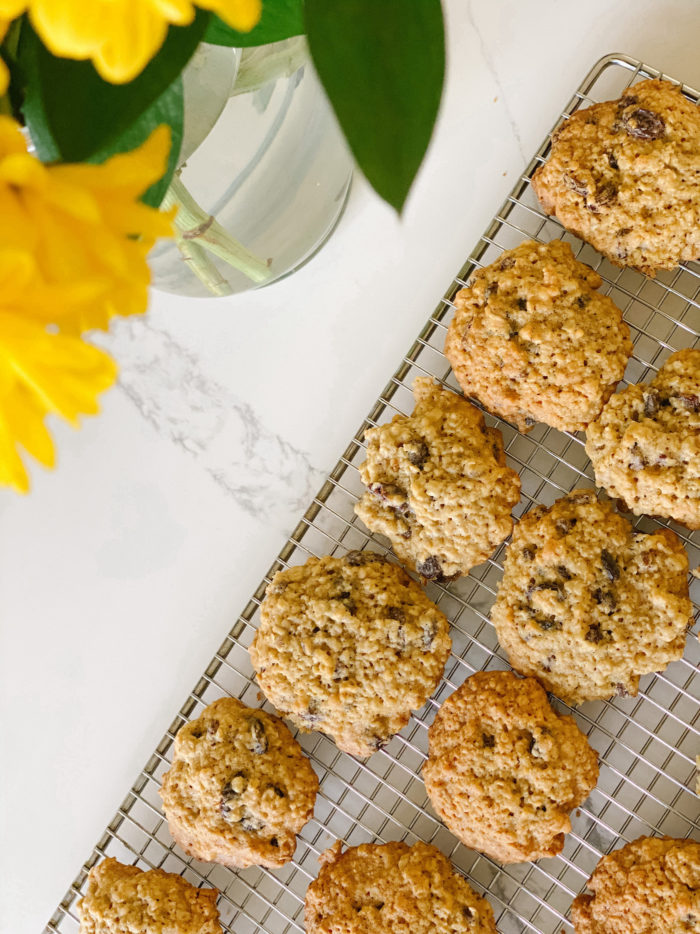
(645, 445)
(391, 888)
(349, 646)
(625, 176)
(126, 900)
(586, 604)
(437, 484)
(239, 789)
(650, 886)
(504, 770)
(533, 340)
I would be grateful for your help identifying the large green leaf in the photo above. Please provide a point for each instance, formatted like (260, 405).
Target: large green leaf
(382, 64)
(280, 20)
(168, 108)
(73, 115)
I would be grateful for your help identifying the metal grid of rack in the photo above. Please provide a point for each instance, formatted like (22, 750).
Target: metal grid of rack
(647, 744)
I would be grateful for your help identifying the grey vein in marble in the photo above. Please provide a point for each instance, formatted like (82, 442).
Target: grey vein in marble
(491, 65)
(267, 476)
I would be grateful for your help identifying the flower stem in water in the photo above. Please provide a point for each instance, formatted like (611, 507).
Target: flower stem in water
(197, 232)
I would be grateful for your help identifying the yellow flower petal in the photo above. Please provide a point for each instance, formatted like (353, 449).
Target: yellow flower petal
(85, 227)
(12, 470)
(40, 374)
(20, 283)
(8, 11)
(27, 427)
(72, 199)
(175, 11)
(11, 139)
(17, 230)
(70, 28)
(63, 374)
(134, 34)
(66, 253)
(17, 269)
(20, 169)
(132, 172)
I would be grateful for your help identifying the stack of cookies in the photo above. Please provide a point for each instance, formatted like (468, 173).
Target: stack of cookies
(350, 645)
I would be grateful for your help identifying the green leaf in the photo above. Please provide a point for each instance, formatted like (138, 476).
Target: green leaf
(382, 63)
(168, 108)
(280, 19)
(73, 114)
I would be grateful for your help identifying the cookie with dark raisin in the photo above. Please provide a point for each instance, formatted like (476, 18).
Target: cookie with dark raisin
(647, 886)
(625, 176)
(586, 604)
(349, 646)
(239, 788)
(393, 887)
(533, 340)
(504, 770)
(437, 484)
(121, 898)
(645, 445)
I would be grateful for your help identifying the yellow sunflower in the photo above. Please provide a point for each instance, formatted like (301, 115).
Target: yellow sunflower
(73, 246)
(84, 226)
(120, 36)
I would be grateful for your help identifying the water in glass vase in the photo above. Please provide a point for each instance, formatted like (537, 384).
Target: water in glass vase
(264, 188)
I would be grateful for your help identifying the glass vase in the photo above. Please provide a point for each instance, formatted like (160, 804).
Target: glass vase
(264, 176)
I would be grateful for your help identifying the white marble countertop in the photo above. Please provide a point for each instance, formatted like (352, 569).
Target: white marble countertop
(123, 570)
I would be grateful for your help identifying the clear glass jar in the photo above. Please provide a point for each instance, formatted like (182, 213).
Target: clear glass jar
(265, 172)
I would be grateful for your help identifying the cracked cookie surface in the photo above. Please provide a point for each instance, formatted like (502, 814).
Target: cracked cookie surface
(393, 887)
(648, 886)
(586, 604)
(533, 340)
(504, 770)
(122, 899)
(349, 646)
(645, 445)
(437, 484)
(239, 789)
(625, 176)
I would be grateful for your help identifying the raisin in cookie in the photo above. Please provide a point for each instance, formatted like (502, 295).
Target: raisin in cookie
(645, 446)
(123, 899)
(349, 646)
(586, 604)
(649, 886)
(504, 770)
(390, 888)
(533, 341)
(239, 789)
(438, 485)
(625, 176)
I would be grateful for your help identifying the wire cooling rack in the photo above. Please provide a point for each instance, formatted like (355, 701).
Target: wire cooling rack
(647, 745)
